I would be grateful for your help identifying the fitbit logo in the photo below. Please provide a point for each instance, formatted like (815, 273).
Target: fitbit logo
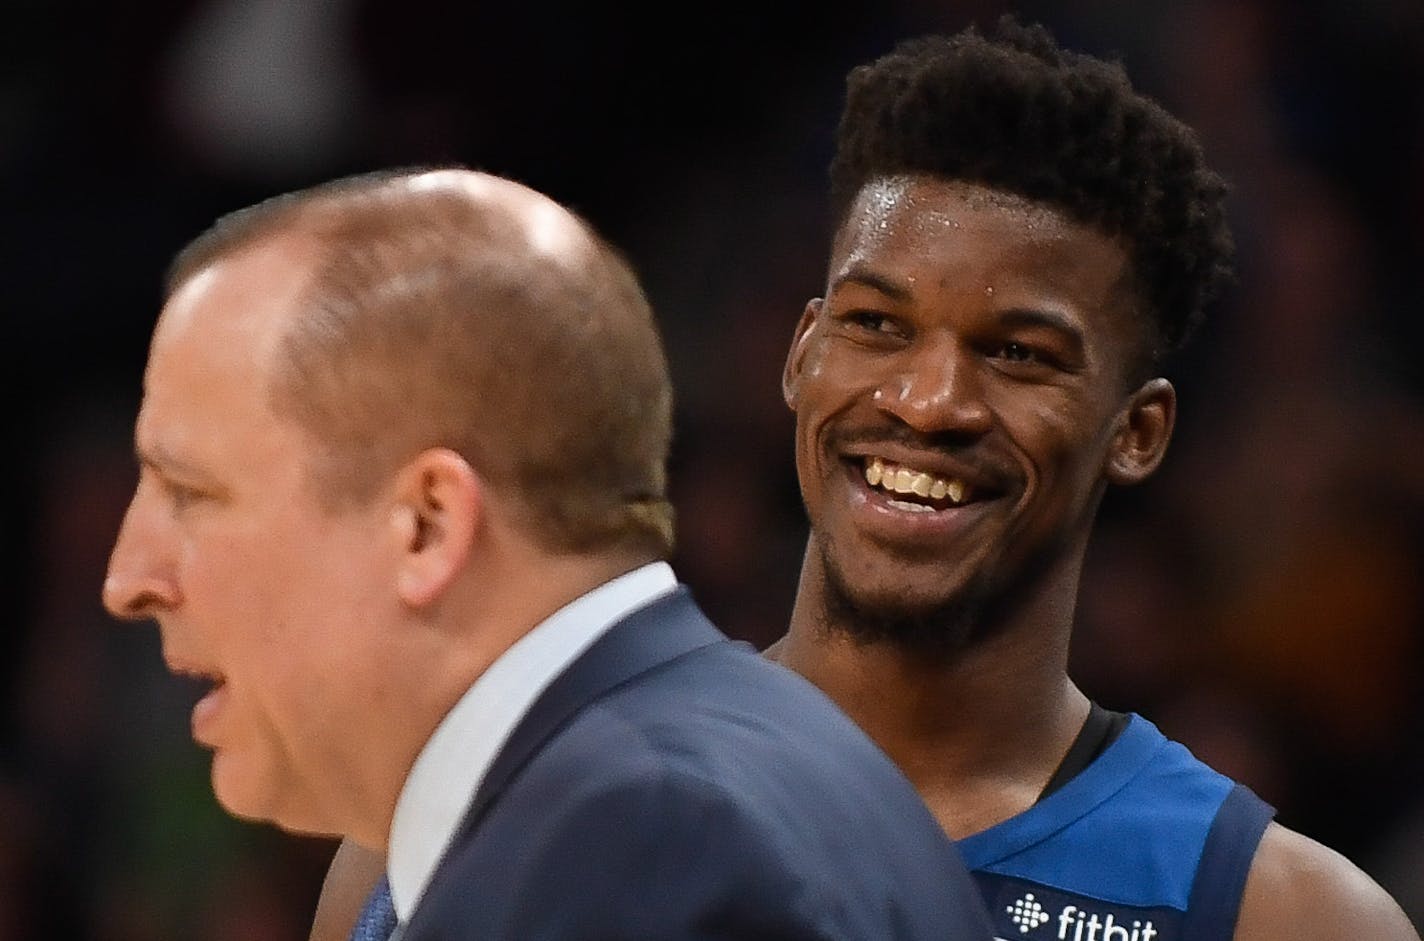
(1027, 913)
(1086, 927)
(1075, 924)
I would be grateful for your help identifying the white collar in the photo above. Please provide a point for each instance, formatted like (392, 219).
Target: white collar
(454, 761)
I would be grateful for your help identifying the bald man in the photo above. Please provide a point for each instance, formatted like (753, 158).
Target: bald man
(402, 506)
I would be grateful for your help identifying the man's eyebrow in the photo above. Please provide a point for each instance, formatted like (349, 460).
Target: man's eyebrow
(1040, 317)
(158, 458)
(1054, 320)
(874, 281)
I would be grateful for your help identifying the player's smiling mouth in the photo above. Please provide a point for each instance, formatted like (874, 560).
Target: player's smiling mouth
(913, 488)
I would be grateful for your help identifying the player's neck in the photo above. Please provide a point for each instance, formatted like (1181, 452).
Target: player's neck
(978, 732)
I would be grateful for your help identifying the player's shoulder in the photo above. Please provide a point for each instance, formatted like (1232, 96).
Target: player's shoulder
(1301, 889)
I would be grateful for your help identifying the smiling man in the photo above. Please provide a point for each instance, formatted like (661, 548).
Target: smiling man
(1022, 240)
(961, 315)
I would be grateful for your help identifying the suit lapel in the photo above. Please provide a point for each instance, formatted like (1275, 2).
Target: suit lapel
(653, 635)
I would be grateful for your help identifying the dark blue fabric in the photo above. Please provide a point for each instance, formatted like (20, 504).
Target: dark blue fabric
(1226, 860)
(378, 916)
(1146, 838)
(641, 641)
(675, 784)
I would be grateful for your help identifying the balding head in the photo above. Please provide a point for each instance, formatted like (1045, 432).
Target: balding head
(451, 308)
(548, 228)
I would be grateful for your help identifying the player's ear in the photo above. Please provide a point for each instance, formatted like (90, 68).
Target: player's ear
(796, 358)
(436, 510)
(1145, 428)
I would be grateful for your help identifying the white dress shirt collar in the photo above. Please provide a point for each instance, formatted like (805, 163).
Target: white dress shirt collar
(449, 769)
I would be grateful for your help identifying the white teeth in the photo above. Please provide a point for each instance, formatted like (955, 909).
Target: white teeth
(904, 480)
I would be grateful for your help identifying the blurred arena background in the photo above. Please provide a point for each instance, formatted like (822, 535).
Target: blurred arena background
(1261, 599)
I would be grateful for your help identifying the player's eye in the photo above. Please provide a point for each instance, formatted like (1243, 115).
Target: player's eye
(1019, 353)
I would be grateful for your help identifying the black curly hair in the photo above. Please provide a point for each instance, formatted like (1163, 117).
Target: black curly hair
(1015, 111)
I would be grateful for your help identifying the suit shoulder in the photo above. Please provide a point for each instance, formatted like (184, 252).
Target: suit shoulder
(667, 853)
(719, 757)
(732, 685)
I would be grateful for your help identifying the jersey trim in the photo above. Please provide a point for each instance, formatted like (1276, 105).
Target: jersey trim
(1132, 829)
(1226, 861)
(1133, 750)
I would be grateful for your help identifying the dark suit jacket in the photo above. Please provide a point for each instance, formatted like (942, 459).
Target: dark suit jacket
(674, 784)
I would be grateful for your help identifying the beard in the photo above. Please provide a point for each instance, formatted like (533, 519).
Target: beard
(932, 630)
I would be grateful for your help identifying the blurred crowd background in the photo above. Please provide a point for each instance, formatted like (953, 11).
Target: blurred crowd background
(1261, 599)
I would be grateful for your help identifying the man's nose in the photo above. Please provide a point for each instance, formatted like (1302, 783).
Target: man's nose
(939, 390)
(140, 580)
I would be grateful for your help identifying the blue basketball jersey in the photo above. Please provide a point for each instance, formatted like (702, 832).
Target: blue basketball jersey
(1145, 844)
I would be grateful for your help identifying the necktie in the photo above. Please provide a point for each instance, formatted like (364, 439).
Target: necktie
(378, 916)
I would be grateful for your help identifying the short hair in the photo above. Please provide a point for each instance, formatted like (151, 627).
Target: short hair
(1016, 112)
(430, 320)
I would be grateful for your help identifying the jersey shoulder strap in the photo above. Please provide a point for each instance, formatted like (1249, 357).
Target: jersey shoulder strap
(1230, 846)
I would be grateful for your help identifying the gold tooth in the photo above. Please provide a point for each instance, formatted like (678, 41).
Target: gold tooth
(955, 491)
(874, 472)
(938, 489)
(921, 484)
(903, 481)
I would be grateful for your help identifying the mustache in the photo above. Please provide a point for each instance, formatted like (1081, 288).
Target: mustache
(985, 467)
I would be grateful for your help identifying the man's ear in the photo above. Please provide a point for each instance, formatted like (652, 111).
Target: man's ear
(437, 508)
(1146, 428)
(796, 358)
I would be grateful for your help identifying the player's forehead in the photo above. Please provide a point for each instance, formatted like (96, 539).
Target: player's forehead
(925, 226)
(928, 204)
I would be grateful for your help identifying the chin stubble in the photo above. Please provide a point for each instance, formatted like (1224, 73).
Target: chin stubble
(934, 631)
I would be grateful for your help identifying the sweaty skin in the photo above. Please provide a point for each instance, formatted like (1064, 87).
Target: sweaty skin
(917, 353)
(986, 340)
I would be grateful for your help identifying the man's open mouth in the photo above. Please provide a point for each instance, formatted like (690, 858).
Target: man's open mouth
(915, 488)
(197, 681)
